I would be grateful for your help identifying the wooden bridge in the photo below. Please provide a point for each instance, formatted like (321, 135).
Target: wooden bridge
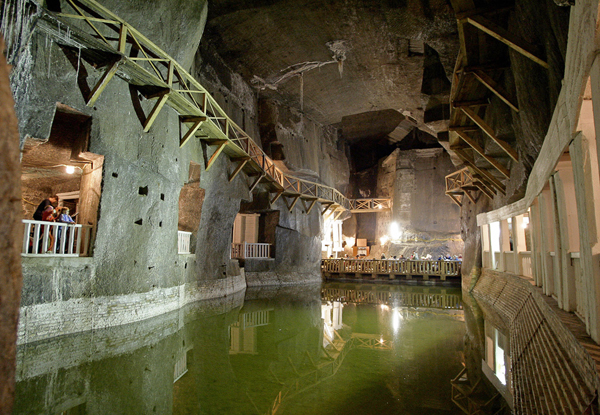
(117, 48)
(391, 268)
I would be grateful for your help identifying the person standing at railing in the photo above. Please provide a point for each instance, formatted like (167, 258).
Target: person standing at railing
(63, 217)
(49, 215)
(39, 212)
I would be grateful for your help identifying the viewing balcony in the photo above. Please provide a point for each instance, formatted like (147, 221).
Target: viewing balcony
(251, 251)
(183, 242)
(41, 238)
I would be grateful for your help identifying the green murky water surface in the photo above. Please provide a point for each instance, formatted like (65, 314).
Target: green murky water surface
(331, 349)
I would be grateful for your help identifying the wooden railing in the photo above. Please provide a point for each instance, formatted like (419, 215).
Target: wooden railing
(250, 250)
(390, 266)
(96, 31)
(183, 242)
(41, 238)
(370, 205)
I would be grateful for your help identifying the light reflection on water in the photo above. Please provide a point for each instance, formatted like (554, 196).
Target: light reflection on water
(345, 348)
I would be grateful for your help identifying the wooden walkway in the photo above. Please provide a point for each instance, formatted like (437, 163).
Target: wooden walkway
(390, 269)
(110, 43)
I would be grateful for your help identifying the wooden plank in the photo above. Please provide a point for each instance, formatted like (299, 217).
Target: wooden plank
(221, 145)
(507, 38)
(473, 144)
(197, 121)
(490, 133)
(458, 128)
(484, 190)
(239, 168)
(327, 206)
(472, 103)
(122, 39)
(155, 111)
(493, 86)
(339, 214)
(103, 82)
(258, 179)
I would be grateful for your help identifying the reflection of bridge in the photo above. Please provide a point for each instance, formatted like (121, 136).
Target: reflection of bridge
(423, 298)
(392, 268)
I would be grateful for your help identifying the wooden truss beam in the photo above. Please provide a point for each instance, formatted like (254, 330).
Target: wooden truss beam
(472, 103)
(490, 133)
(256, 182)
(327, 206)
(294, 201)
(339, 214)
(506, 37)
(196, 123)
(473, 144)
(484, 189)
(220, 146)
(243, 161)
(103, 82)
(455, 199)
(155, 111)
(277, 196)
(493, 86)
(311, 206)
(482, 172)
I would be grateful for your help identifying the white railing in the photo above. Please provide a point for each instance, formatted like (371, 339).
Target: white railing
(497, 260)
(55, 239)
(508, 262)
(486, 259)
(580, 293)
(256, 318)
(183, 242)
(250, 250)
(525, 264)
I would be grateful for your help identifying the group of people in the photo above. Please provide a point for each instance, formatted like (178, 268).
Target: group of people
(47, 212)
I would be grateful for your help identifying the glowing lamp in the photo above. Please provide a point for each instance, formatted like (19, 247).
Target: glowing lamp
(384, 239)
(70, 169)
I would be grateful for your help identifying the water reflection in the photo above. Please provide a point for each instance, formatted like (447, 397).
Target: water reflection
(340, 348)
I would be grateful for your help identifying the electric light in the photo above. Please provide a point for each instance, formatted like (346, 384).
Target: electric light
(70, 169)
(350, 241)
(384, 239)
(525, 223)
(395, 231)
(380, 207)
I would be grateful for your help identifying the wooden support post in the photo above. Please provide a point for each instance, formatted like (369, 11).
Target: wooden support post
(472, 103)
(327, 206)
(310, 207)
(196, 122)
(482, 172)
(473, 144)
(122, 38)
(277, 196)
(220, 146)
(493, 86)
(243, 161)
(291, 207)
(103, 82)
(506, 37)
(458, 202)
(490, 133)
(155, 111)
(339, 214)
(258, 179)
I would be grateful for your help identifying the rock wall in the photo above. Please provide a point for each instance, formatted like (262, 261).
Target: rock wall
(144, 176)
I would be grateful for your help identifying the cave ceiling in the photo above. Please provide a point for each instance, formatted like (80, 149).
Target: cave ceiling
(354, 56)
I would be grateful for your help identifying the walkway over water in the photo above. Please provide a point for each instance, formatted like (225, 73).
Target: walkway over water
(391, 268)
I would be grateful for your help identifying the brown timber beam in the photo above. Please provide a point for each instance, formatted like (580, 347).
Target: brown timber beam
(220, 146)
(291, 207)
(277, 196)
(490, 133)
(506, 37)
(493, 86)
(258, 179)
(103, 82)
(482, 172)
(473, 144)
(243, 161)
(196, 122)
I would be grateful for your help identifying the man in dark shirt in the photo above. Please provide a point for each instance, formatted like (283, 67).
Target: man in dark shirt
(51, 201)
